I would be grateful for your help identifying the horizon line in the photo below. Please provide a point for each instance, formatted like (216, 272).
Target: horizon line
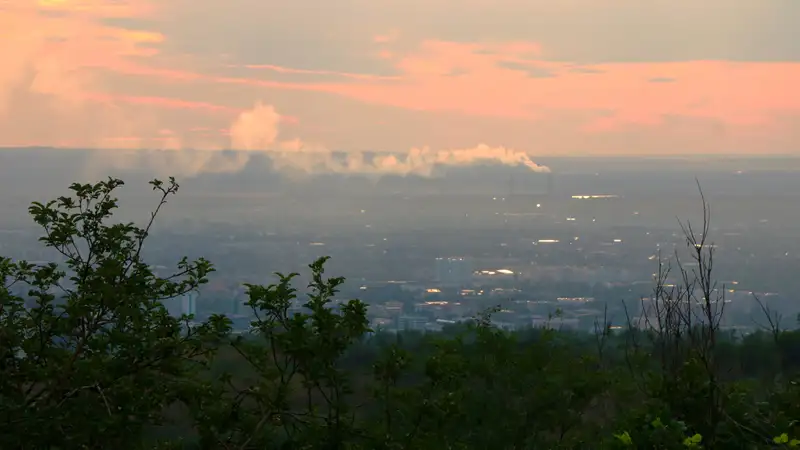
(538, 155)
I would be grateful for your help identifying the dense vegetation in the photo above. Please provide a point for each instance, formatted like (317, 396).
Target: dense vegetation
(89, 358)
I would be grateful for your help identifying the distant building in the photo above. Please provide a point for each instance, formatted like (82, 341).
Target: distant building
(393, 307)
(453, 272)
(240, 305)
(189, 303)
(184, 304)
(380, 324)
(416, 323)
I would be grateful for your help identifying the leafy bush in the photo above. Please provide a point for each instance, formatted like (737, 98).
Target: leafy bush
(90, 358)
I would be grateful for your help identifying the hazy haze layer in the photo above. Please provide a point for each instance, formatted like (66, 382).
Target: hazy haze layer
(419, 78)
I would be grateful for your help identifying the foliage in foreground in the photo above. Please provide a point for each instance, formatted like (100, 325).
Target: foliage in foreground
(89, 358)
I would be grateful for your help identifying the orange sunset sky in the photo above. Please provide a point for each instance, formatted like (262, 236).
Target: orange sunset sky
(548, 77)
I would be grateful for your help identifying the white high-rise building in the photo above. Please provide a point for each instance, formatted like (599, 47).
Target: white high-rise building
(184, 304)
(189, 303)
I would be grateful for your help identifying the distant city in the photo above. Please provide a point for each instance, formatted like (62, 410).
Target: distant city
(560, 249)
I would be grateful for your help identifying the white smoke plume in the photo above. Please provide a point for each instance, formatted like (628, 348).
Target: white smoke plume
(417, 161)
(257, 130)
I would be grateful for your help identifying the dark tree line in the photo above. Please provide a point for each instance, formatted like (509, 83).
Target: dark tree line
(89, 358)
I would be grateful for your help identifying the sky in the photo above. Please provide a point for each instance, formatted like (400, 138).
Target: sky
(427, 78)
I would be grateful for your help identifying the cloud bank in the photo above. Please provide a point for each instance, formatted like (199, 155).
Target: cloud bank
(257, 131)
(572, 77)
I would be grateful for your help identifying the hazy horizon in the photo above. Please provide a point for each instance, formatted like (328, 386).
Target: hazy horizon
(487, 80)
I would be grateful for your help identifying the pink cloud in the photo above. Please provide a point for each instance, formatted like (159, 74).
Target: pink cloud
(65, 60)
(161, 102)
(472, 79)
(289, 70)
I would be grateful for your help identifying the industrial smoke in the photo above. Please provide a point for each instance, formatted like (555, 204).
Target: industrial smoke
(257, 130)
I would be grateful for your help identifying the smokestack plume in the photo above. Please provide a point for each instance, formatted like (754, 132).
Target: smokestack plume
(417, 161)
(258, 130)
